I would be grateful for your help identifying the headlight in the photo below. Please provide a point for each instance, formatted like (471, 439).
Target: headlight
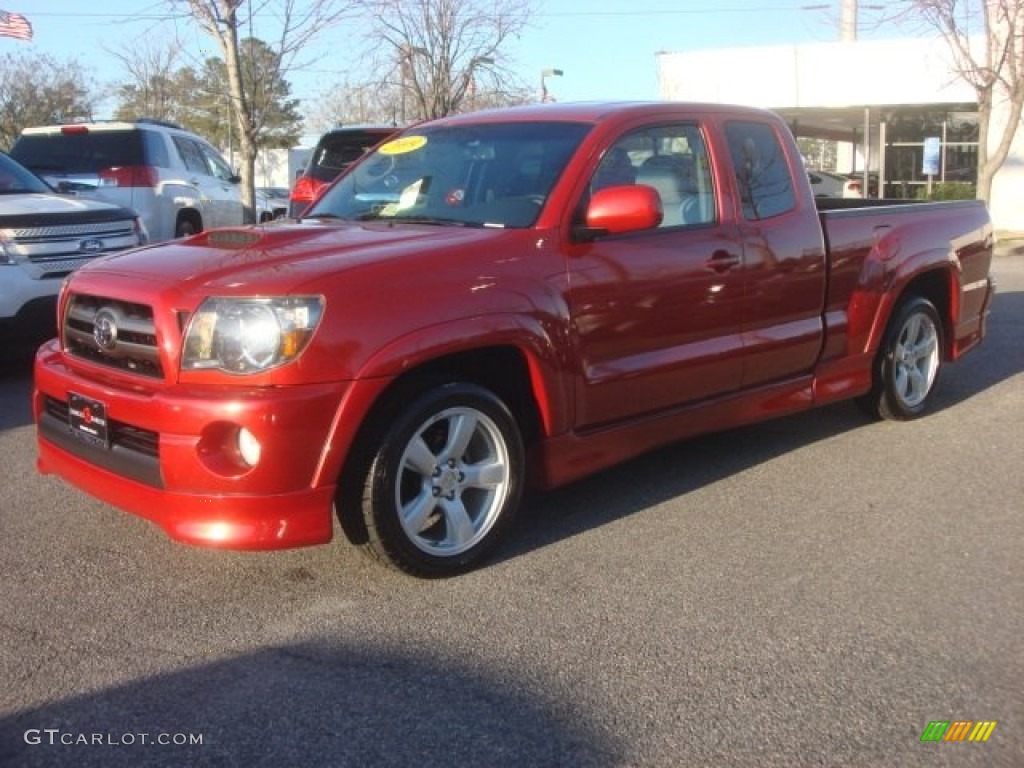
(249, 335)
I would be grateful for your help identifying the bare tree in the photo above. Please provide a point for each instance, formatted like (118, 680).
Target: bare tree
(38, 90)
(149, 89)
(445, 53)
(354, 103)
(228, 21)
(994, 67)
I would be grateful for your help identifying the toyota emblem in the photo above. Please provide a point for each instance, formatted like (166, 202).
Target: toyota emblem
(104, 329)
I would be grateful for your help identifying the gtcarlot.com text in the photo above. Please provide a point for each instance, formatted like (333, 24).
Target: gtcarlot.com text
(57, 737)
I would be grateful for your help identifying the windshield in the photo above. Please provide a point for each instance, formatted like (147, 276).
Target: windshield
(488, 175)
(14, 179)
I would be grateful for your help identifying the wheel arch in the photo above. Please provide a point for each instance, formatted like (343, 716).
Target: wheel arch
(507, 370)
(928, 278)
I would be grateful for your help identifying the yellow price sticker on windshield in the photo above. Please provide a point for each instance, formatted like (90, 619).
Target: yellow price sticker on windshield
(402, 145)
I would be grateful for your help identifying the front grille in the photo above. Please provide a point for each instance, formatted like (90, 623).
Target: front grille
(115, 333)
(99, 229)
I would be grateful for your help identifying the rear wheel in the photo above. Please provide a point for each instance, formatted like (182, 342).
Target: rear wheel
(908, 363)
(444, 482)
(186, 227)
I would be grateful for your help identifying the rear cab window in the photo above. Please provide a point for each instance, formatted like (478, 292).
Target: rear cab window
(763, 177)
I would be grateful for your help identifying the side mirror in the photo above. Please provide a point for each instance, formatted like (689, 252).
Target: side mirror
(621, 209)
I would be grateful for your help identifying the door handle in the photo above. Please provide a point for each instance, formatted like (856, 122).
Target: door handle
(722, 261)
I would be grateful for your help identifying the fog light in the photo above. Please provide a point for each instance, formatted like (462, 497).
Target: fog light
(248, 447)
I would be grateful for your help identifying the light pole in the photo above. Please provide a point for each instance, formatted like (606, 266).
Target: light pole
(847, 16)
(405, 55)
(469, 81)
(544, 75)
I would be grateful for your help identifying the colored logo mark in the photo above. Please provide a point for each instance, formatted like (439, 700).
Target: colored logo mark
(958, 730)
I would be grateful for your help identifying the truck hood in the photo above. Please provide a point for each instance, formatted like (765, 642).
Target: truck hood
(31, 204)
(281, 258)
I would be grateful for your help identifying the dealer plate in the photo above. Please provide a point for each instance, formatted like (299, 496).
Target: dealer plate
(88, 419)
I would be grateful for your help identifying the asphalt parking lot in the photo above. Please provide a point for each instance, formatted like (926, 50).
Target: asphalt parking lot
(811, 591)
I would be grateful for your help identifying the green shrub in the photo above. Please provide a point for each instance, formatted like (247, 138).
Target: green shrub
(947, 190)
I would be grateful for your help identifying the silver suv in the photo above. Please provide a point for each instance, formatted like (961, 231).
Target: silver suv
(176, 181)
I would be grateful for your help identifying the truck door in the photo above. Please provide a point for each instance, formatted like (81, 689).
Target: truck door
(657, 314)
(783, 253)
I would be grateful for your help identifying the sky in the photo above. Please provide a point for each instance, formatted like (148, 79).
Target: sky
(605, 48)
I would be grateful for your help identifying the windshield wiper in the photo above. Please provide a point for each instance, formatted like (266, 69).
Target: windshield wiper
(439, 221)
(322, 216)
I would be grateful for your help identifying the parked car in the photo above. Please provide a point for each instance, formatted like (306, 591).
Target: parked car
(335, 151)
(176, 180)
(477, 306)
(826, 184)
(271, 203)
(44, 237)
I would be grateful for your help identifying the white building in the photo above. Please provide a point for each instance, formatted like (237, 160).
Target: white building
(895, 92)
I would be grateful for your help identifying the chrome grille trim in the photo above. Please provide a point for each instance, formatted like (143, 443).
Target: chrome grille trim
(126, 226)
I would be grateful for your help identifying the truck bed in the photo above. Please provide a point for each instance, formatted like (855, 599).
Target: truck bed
(864, 236)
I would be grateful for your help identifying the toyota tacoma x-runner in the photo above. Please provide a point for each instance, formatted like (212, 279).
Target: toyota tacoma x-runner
(491, 300)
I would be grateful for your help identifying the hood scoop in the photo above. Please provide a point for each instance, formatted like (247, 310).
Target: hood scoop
(228, 238)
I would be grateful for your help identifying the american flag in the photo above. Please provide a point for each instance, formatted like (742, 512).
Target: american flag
(15, 25)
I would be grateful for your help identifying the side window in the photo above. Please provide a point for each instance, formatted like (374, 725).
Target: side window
(215, 163)
(155, 149)
(672, 159)
(191, 155)
(762, 173)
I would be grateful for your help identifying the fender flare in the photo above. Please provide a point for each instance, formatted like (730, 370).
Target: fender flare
(526, 334)
(883, 282)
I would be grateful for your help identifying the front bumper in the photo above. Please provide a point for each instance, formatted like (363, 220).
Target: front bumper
(171, 456)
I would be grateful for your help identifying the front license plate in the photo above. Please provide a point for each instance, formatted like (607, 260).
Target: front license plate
(88, 419)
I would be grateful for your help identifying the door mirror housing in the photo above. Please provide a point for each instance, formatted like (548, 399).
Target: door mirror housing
(621, 209)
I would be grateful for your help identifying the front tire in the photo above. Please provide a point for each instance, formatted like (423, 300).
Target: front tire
(908, 362)
(444, 482)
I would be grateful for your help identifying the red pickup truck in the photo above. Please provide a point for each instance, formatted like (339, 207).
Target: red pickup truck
(512, 296)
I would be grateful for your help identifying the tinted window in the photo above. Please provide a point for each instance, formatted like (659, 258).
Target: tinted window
(216, 164)
(156, 149)
(84, 153)
(191, 155)
(762, 173)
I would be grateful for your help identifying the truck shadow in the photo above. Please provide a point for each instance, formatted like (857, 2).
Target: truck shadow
(318, 703)
(685, 467)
